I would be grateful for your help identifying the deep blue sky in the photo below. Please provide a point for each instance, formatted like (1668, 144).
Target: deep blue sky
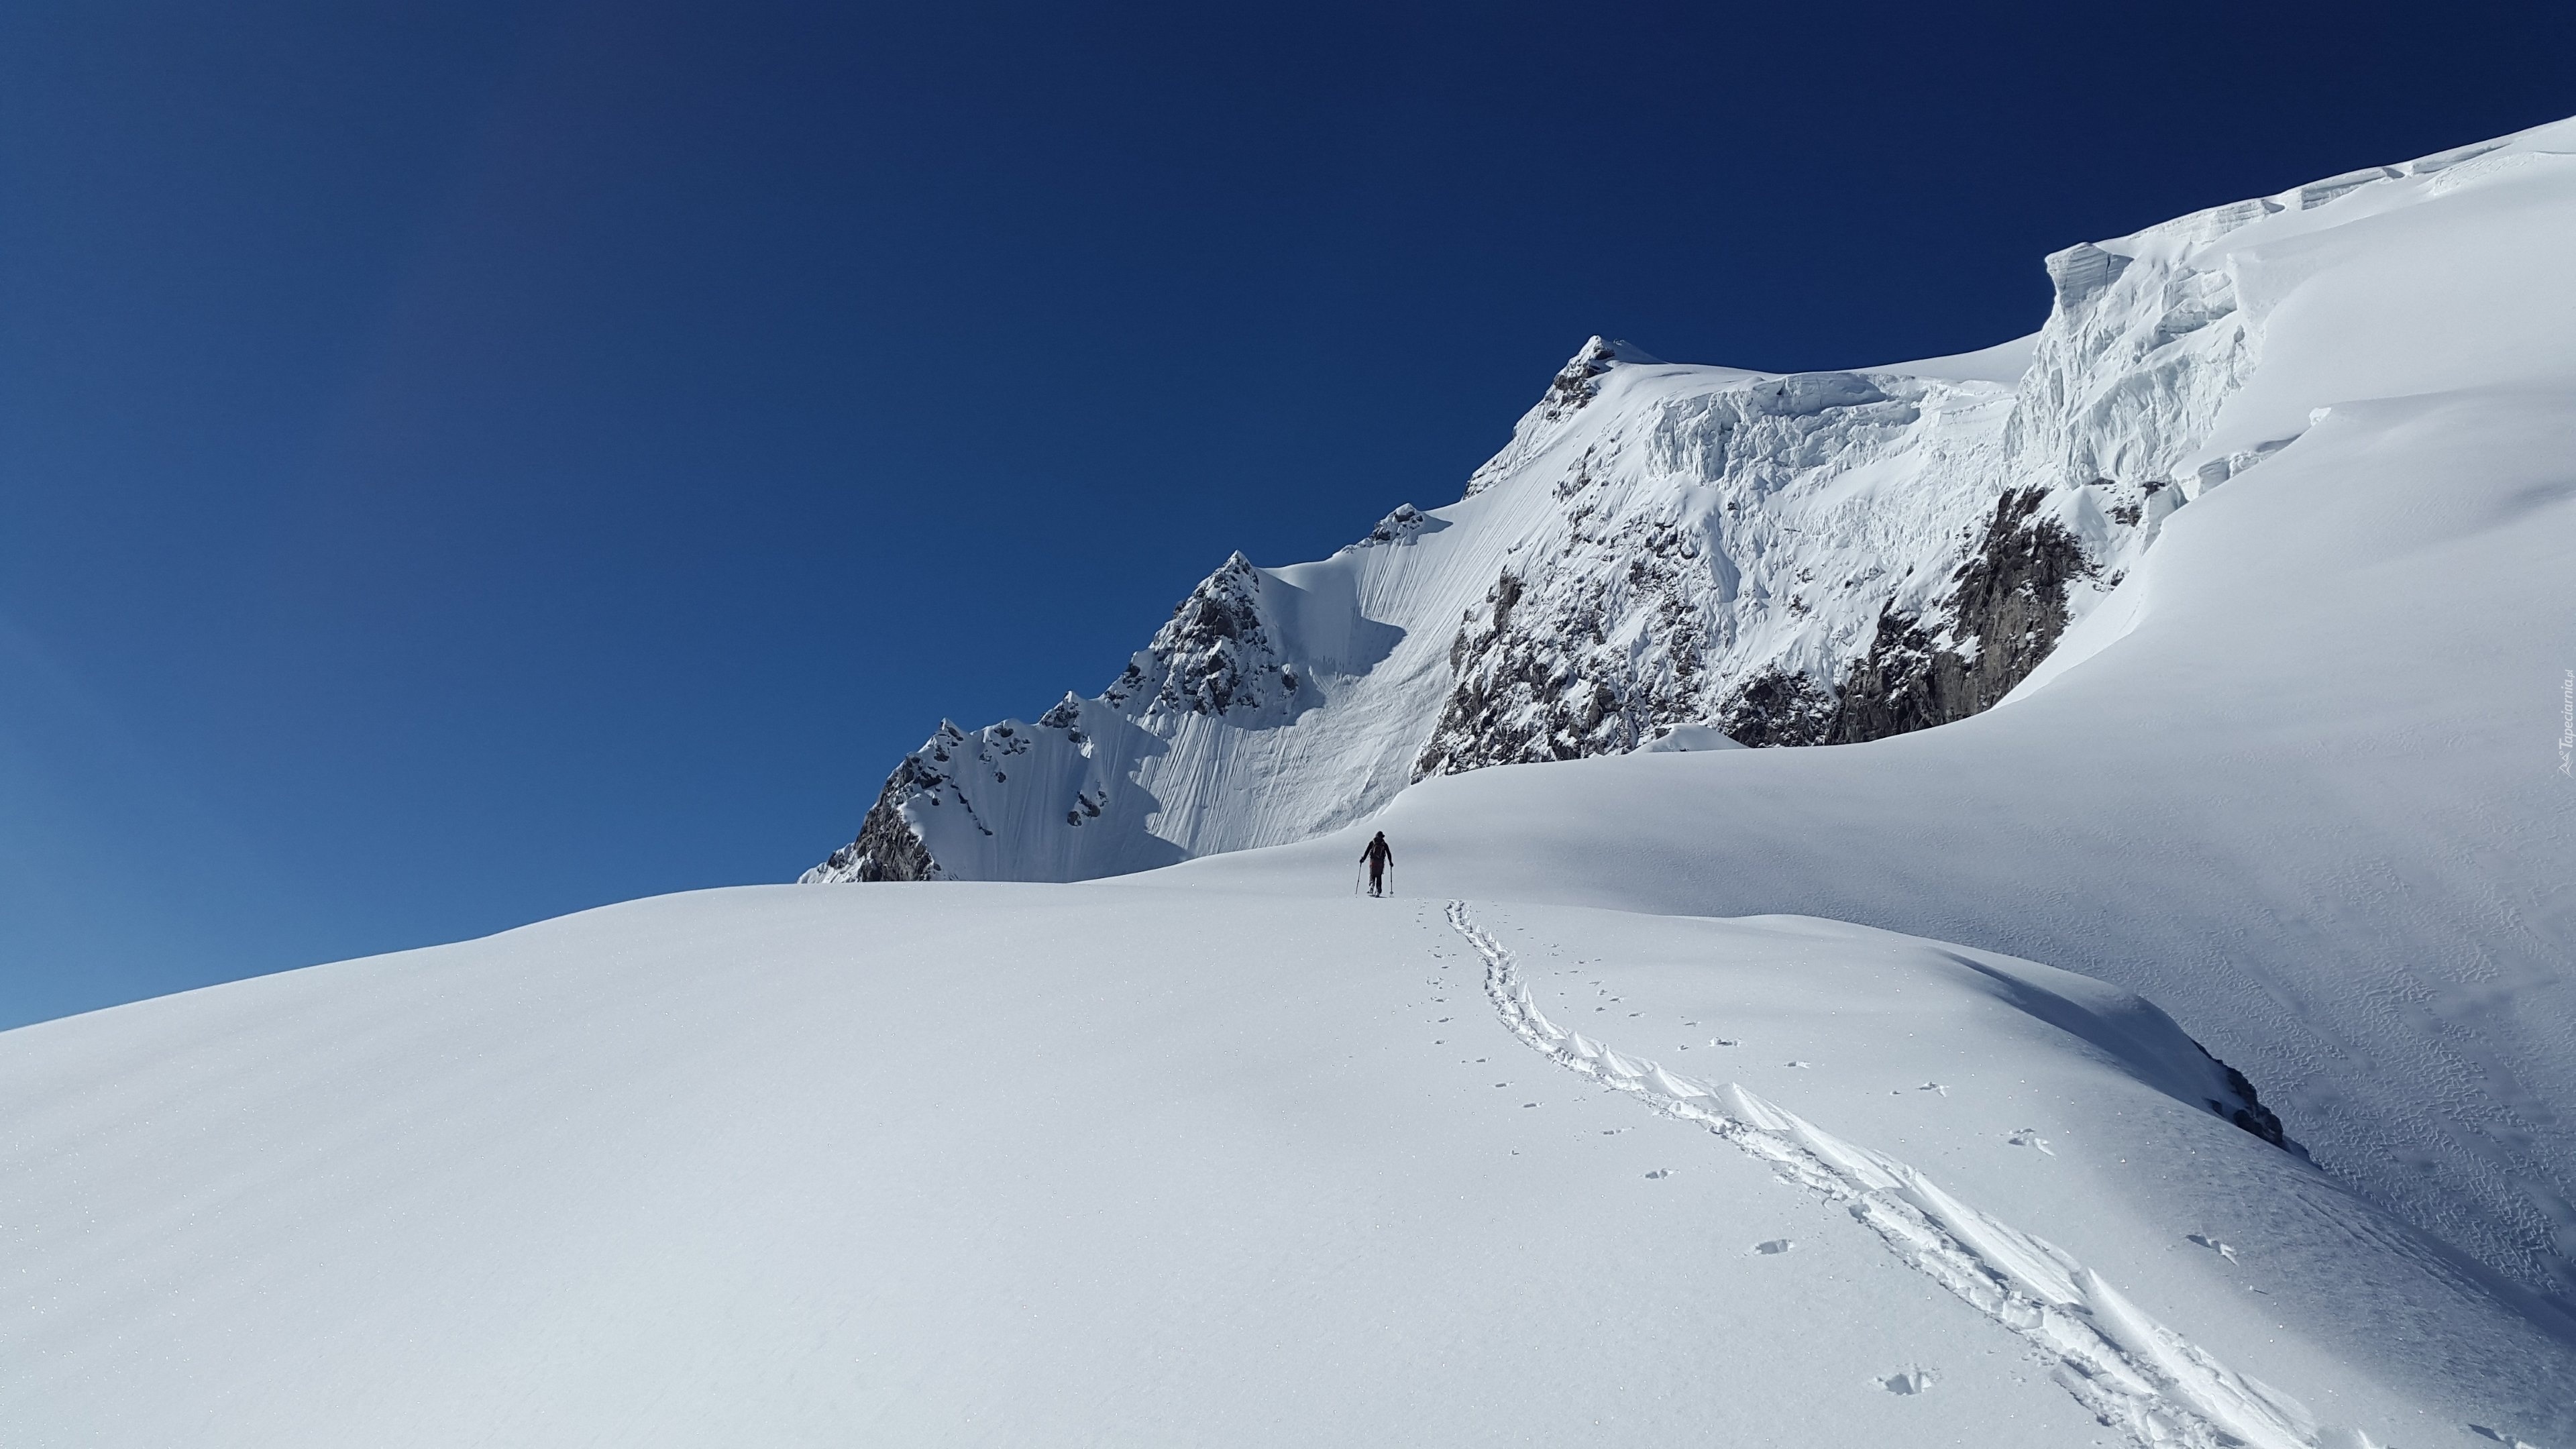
(464, 462)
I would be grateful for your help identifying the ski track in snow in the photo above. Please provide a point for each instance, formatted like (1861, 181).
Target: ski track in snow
(2130, 1371)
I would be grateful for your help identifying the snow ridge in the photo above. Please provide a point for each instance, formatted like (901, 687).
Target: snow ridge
(2131, 1372)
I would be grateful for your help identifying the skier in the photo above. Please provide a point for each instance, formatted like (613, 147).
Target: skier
(1378, 857)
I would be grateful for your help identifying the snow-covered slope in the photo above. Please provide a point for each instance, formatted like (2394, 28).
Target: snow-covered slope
(1035, 1165)
(2302, 779)
(1803, 559)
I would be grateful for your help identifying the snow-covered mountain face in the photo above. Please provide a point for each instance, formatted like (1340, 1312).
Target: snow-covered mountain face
(1813, 558)
(1800, 559)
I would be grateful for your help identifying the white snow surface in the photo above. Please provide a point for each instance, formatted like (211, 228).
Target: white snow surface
(1633, 1117)
(1029, 1164)
(1681, 739)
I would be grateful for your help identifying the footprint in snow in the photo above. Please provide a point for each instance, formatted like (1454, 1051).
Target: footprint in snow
(2212, 1244)
(2029, 1137)
(1912, 1381)
(1801, 1064)
(1774, 1247)
(1660, 1172)
(1723, 1041)
(1933, 1087)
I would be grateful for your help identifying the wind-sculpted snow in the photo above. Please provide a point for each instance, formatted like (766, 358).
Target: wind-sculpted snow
(1798, 559)
(2128, 1370)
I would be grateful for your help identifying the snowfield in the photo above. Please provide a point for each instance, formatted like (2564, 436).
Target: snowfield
(1656, 1107)
(965, 1164)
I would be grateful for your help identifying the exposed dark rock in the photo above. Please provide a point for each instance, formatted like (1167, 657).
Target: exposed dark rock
(2004, 613)
(1574, 385)
(1215, 654)
(1536, 673)
(2248, 1111)
(1550, 688)
(887, 847)
(1403, 526)
(1065, 715)
(1505, 593)
(1778, 708)
(1522, 697)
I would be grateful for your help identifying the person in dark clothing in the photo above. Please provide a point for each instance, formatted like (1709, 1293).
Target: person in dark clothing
(1378, 856)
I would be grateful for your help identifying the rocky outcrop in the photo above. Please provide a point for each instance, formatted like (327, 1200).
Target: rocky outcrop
(1521, 696)
(1531, 689)
(1690, 576)
(2004, 615)
(1403, 526)
(1776, 708)
(1577, 382)
(887, 847)
(2247, 1110)
(1217, 654)
(1608, 653)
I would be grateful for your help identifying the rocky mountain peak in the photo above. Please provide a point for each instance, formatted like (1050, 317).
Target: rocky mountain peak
(1577, 383)
(1217, 654)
